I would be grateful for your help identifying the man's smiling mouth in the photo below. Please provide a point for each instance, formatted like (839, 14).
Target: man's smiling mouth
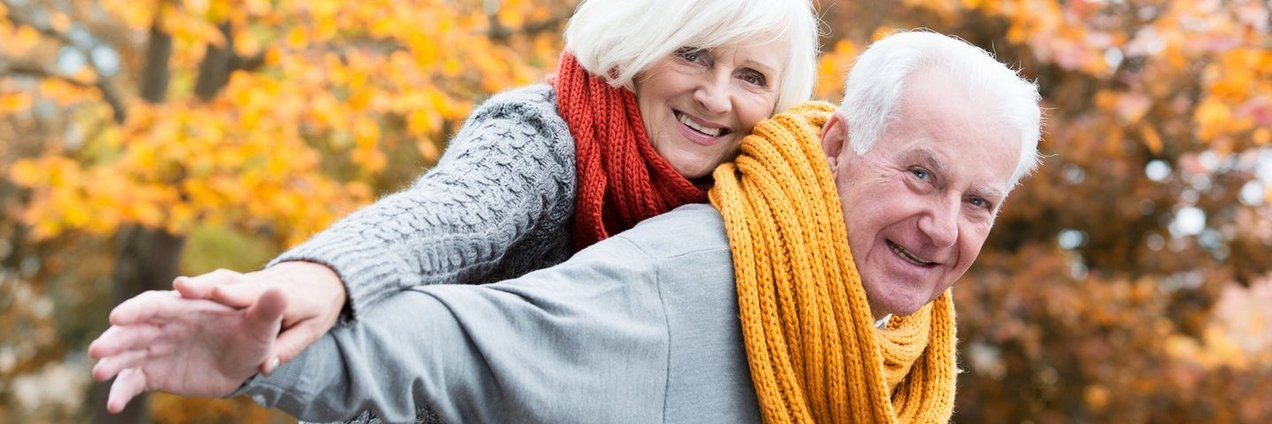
(909, 257)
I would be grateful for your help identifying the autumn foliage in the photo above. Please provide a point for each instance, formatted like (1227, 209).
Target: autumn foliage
(1127, 281)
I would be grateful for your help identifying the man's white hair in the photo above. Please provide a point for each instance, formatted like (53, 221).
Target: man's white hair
(879, 75)
(619, 39)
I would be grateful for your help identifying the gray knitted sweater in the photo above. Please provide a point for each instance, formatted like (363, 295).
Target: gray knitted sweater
(496, 206)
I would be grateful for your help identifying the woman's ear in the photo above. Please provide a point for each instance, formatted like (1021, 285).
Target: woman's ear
(834, 137)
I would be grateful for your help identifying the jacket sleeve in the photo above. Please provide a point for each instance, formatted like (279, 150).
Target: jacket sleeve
(508, 174)
(585, 341)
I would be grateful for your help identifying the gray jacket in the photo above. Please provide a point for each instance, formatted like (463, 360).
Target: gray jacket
(639, 328)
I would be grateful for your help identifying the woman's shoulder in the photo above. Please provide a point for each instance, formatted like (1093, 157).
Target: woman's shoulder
(537, 101)
(526, 113)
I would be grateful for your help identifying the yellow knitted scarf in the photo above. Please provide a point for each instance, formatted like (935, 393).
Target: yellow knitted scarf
(814, 353)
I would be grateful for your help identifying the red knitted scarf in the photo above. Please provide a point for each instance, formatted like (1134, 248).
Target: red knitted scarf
(621, 178)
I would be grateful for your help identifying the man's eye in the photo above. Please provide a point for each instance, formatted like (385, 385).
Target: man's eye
(979, 202)
(921, 174)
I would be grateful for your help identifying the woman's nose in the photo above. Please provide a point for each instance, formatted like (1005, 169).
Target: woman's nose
(713, 95)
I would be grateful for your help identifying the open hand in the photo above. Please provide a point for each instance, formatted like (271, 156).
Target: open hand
(314, 292)
(161, 341)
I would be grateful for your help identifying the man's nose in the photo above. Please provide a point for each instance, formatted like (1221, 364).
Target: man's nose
(940, 224)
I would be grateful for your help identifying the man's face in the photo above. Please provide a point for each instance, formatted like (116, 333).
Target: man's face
(920, 203)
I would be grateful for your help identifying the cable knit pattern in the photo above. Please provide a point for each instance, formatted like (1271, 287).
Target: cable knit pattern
(496, 206)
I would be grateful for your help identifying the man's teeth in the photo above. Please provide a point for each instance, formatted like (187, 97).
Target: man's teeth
(906, 254)
(714, 132)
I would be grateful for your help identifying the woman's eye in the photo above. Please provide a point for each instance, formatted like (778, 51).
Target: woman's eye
(691, 54)
(754, 78)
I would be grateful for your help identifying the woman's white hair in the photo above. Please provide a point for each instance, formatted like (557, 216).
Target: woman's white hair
(879, 75)
(619, 39)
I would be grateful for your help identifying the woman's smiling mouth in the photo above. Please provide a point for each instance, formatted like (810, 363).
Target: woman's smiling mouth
(701, 128)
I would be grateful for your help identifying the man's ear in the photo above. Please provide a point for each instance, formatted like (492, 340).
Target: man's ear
(834, 137)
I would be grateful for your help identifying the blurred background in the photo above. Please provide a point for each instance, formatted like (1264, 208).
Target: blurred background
(1129, 281)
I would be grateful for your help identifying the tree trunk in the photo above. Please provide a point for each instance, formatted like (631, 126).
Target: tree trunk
(147, 259)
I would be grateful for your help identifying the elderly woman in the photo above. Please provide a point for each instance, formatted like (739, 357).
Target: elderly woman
(649, 96)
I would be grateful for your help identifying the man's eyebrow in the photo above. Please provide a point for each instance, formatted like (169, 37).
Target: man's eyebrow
(990, 193)
(928, 157)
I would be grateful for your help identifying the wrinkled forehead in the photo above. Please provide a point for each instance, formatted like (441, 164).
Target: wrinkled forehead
(956, 130)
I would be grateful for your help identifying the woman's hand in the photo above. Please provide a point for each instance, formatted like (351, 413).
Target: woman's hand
(314, 293)
(161, 341)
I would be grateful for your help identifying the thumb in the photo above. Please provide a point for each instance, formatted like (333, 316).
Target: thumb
(237, 295)
(267, 314)
(268, 309)
(293, 341)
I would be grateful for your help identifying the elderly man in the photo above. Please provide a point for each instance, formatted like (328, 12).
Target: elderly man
(814, 288)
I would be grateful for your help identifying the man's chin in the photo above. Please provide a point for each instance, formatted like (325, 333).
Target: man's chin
(900, 302)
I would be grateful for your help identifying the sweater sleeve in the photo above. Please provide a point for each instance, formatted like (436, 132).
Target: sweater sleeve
(507, 175)
(585, 341)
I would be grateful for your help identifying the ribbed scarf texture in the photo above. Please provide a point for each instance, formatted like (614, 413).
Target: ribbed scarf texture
(621, 178)
(813, 350)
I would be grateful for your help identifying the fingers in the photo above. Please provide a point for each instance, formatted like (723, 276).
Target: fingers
(201, 286)
(143, 307)
(236, 295)
(118, 339)
(130, 383)
(109, 366)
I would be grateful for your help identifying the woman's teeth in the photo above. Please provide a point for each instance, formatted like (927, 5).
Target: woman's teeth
(713, 132)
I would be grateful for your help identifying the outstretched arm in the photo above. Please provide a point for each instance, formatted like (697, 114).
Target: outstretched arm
(580, 342)
(496, 206)
(160, 341)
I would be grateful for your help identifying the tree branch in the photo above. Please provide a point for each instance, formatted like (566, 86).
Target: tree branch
(500, 33)
(103, 85)
(107, 91)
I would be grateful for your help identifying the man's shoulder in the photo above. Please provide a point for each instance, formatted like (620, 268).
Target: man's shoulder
(693, 228)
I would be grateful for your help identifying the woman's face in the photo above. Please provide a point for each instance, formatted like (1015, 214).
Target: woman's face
(697, 104)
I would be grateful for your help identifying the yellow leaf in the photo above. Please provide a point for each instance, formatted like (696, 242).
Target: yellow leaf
(297, 38)
(14, 102)
(26, 173)
(246, 43)
(1210, 117)
(366, 132)
(23, 42)
(428, 149)
(511, 17)
(74, 210)
(147, 213)
(1151, 139)
(59, 21)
